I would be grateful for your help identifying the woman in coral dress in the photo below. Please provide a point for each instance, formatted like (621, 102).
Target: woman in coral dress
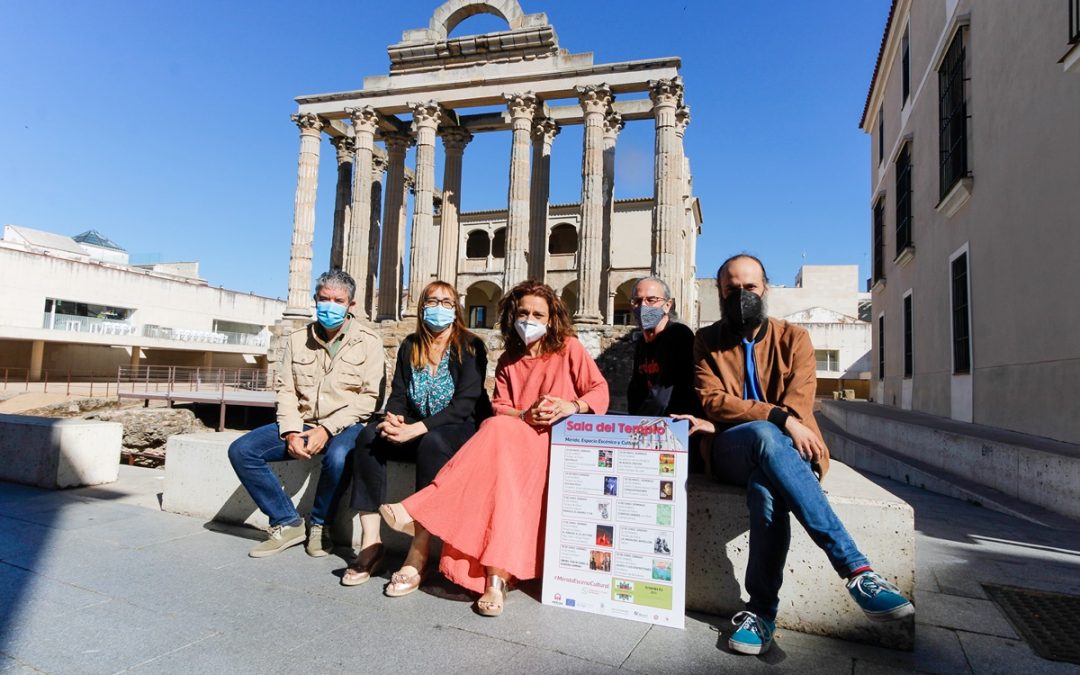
(487, 503)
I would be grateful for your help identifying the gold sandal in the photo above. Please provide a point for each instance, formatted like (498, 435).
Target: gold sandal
(398, 518)
(358, 573)
(497, 585)
(402, 584)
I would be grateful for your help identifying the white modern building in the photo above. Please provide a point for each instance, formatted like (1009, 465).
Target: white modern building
(825, 300)
(75, 304)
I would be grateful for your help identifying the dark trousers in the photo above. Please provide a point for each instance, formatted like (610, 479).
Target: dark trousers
(430, 451)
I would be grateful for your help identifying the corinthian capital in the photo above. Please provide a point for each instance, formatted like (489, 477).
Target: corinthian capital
(345, 147)
(666, 92)
(308, 121)
(682, 118)
(455, 138)
(521, 105)
(427, 114)
(594, 98)
(613, 124)
(364, 119)
(545, 130)
(397, 142)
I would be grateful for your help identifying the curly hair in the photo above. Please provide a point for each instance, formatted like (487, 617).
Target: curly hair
(461, 338)
(559, 325)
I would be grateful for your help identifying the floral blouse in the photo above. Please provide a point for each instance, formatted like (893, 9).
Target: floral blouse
(431, 393)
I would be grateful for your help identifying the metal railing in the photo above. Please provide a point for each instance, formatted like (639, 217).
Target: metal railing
(57, 381)
(98, 326)
(188, 378)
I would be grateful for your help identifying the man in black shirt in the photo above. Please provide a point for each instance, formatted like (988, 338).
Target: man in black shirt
(662, 382)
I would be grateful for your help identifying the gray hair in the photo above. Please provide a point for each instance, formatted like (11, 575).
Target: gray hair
(672, 314)
(667, 289)
(336, 279)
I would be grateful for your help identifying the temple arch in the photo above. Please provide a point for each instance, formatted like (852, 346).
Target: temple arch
(448, 15)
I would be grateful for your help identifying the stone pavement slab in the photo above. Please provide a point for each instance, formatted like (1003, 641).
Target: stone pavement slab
(98, 580)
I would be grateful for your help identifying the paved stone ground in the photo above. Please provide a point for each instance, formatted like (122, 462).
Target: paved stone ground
(99, 580)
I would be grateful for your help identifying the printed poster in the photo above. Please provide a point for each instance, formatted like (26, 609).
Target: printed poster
(616, 517)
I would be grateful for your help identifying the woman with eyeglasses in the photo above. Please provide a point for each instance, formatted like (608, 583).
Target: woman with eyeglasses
(487, 503)
(437, 400)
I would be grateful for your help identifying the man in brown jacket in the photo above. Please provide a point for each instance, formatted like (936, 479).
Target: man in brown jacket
(756, 378)
(328, 383)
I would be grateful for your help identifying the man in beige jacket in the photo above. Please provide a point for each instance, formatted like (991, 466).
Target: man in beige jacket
(328, 383)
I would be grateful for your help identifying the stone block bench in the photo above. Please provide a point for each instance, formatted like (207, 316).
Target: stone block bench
(813, 598)
(59, 453)
(199, 481)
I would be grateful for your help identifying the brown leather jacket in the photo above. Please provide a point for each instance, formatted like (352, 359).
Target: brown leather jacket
(337, 392)
(787, 373)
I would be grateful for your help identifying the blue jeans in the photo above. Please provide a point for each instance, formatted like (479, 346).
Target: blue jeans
(761, 458)
(250, 456)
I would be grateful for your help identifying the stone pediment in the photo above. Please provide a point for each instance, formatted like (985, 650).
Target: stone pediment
(530, 36)
(820, 315)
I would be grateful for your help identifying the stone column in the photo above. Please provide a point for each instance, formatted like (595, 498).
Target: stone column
(342, 199)
(687, 237)
(544, 132)
(378, 168)
(393, 236)
(136, 358)
(37, 359)
(423, 255)
(299, 301)
(522, 108)
(365, 121)
(595, 103)
(613, 124)
(454, 141)
(666, 95)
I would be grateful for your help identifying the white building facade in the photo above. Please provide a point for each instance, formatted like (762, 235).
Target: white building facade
(76, 305)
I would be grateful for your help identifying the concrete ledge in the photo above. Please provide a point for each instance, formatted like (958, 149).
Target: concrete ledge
(200, 482)
(813, 598)
(59, 453)
(1028, 468)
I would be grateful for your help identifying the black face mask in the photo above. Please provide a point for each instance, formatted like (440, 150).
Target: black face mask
(743, 310)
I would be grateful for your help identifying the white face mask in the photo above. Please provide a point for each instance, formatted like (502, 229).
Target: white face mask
(530, 331)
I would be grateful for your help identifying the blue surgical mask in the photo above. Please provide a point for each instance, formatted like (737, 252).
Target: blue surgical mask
(330, 314)
(649, 317)
(438, 317)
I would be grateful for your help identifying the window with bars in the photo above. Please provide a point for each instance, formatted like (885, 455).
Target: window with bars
(953, 115)
(903, 199)
(881, 347)
(961, 320)
(828, 359)
(909, 361)
(879, 240)
(905, 59)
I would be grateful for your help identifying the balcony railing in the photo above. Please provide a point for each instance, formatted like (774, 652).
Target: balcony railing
(1074, 21)
(96, 326)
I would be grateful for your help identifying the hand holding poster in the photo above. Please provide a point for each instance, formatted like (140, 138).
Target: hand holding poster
(616, 517)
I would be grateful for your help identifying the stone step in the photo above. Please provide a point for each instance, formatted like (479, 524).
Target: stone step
(1030, 469)
(871, 457)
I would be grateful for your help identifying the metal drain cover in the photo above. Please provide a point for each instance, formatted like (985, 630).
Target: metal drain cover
(1050, 622)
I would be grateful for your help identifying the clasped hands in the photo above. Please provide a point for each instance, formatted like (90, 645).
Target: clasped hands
(806, 442)
(548, 410)
(306, 444)
(395, 429)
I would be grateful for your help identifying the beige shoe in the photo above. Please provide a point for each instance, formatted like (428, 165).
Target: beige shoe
(368, 563)
(278, 539)
(319, 541)
(398, 518)
(492, 601)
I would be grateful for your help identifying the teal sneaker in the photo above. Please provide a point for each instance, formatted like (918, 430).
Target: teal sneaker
(879, 600)
(753, 635)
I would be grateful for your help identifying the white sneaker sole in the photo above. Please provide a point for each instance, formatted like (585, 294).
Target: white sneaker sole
(743, 648)
(895, 614)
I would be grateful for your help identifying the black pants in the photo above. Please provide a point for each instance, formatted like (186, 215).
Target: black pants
(430, 451)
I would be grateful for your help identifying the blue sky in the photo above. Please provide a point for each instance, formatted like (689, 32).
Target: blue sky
(166, 125)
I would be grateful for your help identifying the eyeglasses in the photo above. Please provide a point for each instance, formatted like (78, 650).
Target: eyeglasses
(651, 300)
(435, 302)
